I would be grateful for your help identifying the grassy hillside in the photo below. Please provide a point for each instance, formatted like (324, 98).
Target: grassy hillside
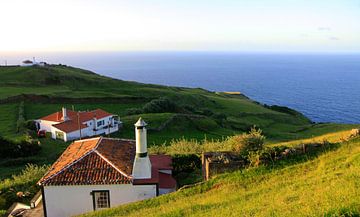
(323, 185)
(215, 114)
(200, 113)
(190, 113)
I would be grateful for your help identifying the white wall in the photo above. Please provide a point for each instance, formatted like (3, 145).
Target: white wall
(64, 201)
(46, 125)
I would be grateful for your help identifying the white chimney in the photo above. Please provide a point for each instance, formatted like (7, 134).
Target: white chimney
(64, 117)
(142, 164)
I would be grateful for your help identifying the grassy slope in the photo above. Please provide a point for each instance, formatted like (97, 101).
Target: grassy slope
(324, 185)
(240, 113)
(77, 83)
(64, 81)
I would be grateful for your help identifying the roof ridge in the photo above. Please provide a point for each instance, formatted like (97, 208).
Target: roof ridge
(111, 164)
(87, 139)
(119, 139)
(70, 164)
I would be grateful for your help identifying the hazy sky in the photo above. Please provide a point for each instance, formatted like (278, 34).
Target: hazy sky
(227, 25)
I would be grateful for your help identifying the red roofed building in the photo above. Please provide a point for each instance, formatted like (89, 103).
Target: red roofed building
(100, 172)
(69, 125)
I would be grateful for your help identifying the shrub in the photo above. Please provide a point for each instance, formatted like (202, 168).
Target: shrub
(249, 142)
(220, 118)
(25, 182)
(206, 112)
(159, 149)
(133, 111)
(30, 125)
(183, 146)
(160, 105)
(20, 124)
(23, 148)
(185, 163)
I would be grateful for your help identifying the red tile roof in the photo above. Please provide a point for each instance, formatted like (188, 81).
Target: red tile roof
(71, 124)
(88, 162)
(104, 161)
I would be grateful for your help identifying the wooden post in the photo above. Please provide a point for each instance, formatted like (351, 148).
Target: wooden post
(304, 148)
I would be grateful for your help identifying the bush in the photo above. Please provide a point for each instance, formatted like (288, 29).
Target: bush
(160, 105)
(185, 163)
(133, 111)
(25, 182)
(30, 125)
(20, 124)
(249, 142)
(183, 146)
(23, 148)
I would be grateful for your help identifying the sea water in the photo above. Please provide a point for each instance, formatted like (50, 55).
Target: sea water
(324, 87)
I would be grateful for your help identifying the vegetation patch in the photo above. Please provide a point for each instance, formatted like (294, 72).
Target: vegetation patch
(22, 187)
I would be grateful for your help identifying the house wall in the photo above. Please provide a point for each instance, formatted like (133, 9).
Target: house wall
(46, 125)
(64, 201)
(74, 135)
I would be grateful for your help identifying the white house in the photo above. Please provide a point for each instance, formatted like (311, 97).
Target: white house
(69, 125)
(99, 173)
(33, 63)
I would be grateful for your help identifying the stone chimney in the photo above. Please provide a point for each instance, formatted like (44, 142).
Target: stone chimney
(142, 164)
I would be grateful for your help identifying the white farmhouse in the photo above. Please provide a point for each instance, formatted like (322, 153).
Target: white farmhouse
(69, 125)
(99, 173)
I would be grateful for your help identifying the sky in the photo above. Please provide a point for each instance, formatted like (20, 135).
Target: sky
(190, 25)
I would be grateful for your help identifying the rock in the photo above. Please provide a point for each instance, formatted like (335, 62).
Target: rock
(20, 194)
(354, 133)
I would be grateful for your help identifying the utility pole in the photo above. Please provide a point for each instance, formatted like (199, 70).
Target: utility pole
(78, 117)
(109, 128)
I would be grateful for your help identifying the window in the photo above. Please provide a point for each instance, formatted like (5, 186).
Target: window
(100, 123)
(59, 135)
(101, 199)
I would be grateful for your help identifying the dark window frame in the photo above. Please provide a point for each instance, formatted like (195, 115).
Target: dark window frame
(93, 197)
(100, 123)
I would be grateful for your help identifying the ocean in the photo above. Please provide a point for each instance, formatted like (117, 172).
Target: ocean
(324, 87)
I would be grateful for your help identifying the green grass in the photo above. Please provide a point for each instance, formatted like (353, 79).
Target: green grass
(72, 83)
(8, 119)
(303, 189)
(323, 185)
